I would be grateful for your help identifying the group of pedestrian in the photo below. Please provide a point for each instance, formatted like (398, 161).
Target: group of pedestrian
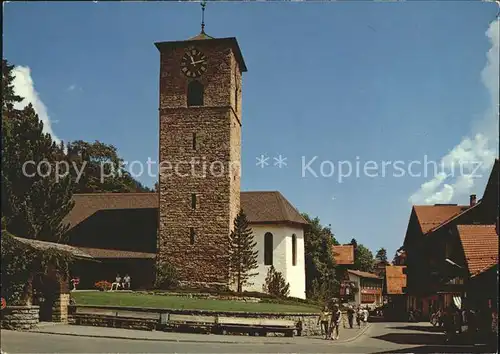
(121, 283)
(330, 319)
(361, 315)
(474, 322)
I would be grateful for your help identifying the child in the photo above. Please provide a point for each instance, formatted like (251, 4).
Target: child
(323, 319)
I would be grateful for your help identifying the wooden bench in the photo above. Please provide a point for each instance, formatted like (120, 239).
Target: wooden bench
(255, 326)
(189, 322)
(115, 318)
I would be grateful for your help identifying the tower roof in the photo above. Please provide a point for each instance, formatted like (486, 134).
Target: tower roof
(228, 41)
(200, 36)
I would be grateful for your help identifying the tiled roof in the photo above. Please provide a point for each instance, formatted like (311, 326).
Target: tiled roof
(363, 274)
(109, 253)
(260, 207)
(480, 245)
(343, 254)
(431, 216)
(44, 245)
(395, 279)
(88, 204)
(490, 191)
(269, 207)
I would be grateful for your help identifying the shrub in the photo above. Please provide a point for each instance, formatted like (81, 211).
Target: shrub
(22, 263)
(103, 285)
(167, 277)
(276, 284)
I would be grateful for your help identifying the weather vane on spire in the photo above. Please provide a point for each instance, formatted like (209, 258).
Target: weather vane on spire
(203, 4)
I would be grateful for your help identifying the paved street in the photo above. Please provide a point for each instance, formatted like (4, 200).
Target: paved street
(378, 338)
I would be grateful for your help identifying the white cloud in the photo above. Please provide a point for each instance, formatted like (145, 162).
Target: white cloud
(71, 87)
(479, 148)
(24, 87)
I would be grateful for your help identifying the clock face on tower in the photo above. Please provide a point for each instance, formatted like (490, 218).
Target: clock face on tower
(193, 63)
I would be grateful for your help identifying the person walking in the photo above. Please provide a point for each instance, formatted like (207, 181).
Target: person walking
(335, 322)
(365, 315)
(350, 316)
(323, 321)
(359, 316)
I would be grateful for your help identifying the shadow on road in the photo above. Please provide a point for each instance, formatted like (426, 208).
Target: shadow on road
(441, 349)
(412, 338)
(419, 328)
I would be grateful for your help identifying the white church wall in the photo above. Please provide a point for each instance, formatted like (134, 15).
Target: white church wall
(296, 274)
(282, 257)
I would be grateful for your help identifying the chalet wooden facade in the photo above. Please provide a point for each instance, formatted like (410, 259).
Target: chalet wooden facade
(449, 247)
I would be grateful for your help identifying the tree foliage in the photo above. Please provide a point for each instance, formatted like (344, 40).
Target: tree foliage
(21, 263)
(275, 284)
(102, 170)
(34, 201)
(9, 98)
(363, 257)
(320, 264)
(381, 255)
(39, 176)
(242, 252)
(167, 276)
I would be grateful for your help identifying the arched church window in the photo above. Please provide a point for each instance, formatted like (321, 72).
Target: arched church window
(195, 94)
(268, 248)
(294, 249)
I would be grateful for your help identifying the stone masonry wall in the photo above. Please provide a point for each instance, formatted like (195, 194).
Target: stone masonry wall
(235, 144)
(308, 321)
(203, 170)
(60, 308)
(20, 317)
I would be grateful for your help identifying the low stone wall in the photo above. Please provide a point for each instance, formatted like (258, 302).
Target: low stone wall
(20, 317)
(308, 322)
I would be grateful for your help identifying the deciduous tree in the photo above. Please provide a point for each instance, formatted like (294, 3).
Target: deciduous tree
(363, 257)
(102, 170)
(320, 264)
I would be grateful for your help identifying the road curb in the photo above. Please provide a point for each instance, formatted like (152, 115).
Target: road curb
(160, 339)
(368, 325)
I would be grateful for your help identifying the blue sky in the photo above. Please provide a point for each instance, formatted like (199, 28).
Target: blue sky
(354, 81)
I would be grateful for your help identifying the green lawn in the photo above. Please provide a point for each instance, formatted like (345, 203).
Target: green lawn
(178, 302)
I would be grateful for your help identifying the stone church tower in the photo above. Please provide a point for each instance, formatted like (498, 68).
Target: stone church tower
(200, 153)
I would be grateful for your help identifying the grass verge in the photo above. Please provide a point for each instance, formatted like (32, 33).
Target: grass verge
(179, 302)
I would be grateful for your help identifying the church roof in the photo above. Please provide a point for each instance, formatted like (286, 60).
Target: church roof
(260, 207)
(200, 36)
(269, 207)
(229, 41)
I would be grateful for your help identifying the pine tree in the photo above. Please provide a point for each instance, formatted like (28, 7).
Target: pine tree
(242, 252)
(34, 201)
(381, 255)
(275, 283)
